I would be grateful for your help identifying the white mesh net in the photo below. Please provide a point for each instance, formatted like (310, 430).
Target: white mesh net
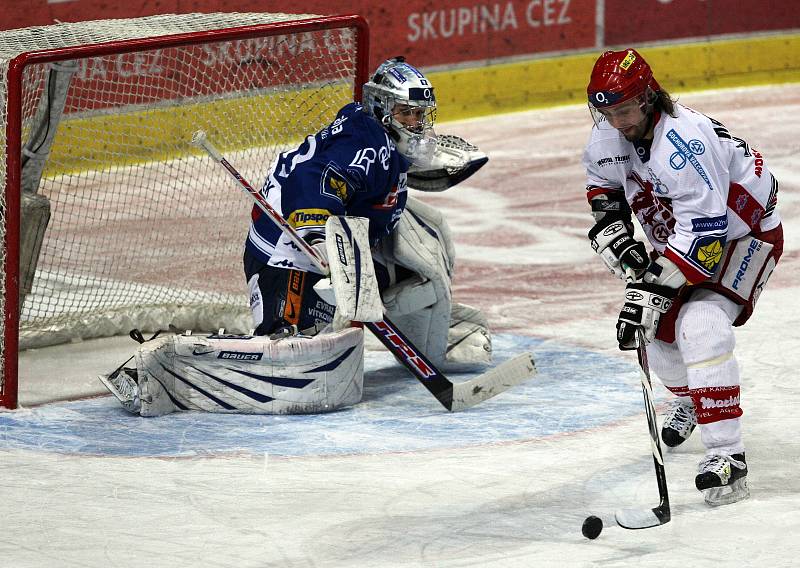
(144, 230)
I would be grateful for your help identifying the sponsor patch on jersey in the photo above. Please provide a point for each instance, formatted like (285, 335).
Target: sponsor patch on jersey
(706, 224)
(334, 185)
(308, 218)
(687, 152)
(706, 252)
(608, 161)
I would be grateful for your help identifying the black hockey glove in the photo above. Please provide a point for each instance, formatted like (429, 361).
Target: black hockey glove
(644, 305)
(611, 239)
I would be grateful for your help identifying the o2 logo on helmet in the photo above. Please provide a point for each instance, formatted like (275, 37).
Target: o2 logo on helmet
(421, 93)
(605, 98)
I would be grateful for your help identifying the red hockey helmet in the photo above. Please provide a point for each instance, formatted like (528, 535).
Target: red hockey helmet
(619, 76)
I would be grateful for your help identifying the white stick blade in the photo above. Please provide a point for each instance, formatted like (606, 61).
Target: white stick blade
(493, 382)
(637, 518)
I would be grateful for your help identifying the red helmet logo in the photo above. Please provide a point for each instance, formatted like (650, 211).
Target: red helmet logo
(618, 76)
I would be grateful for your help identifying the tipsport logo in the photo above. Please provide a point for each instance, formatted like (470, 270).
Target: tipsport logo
(308, 218)
(687, 152)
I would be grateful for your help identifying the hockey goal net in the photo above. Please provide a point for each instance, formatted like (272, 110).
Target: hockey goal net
(111, 219)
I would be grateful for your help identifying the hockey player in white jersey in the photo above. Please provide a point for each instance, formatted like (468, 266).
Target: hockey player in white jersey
(706, 203)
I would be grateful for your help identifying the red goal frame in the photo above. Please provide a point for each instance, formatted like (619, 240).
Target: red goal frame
(9, 388)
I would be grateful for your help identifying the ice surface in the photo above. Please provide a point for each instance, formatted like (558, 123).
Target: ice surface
(396, 481)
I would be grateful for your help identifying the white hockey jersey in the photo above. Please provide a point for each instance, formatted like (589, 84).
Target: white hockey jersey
(693, 188)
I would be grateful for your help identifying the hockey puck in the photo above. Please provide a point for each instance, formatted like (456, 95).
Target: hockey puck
(592, 527)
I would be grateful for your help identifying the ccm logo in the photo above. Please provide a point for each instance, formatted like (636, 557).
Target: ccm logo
(406, 351)
(660, 303)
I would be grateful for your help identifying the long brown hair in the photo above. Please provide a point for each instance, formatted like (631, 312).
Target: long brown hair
(664, 103)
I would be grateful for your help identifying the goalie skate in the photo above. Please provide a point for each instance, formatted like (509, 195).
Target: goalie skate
(723, 479)
(124, 387)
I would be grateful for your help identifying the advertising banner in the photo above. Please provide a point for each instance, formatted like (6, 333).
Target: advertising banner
(445, 32)
(427, 32)
(631, 23)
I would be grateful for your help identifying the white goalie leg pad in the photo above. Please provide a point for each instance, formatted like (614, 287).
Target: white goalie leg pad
(421, 306)
(252, 374)
(353, 278)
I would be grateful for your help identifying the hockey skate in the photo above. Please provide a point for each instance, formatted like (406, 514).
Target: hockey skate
(124, 387)
(723, 479)
(679, 423)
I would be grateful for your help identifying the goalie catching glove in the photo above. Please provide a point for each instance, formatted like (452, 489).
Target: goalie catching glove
(454, 160)
(611, 239)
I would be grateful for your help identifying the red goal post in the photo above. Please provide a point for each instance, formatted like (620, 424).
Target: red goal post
(110, 218)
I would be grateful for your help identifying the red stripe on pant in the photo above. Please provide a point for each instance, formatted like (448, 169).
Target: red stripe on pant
(679, 391)
(713, 404)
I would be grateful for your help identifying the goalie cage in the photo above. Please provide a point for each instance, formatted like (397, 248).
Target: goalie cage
(130, 225)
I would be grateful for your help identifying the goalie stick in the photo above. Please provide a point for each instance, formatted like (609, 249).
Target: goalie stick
(453, 396)
(646, 518)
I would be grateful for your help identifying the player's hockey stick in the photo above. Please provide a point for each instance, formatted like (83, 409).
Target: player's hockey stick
(453, 396)
(646, 518)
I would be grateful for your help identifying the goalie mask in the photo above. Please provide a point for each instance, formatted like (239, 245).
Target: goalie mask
(402, 100)
(621, 90)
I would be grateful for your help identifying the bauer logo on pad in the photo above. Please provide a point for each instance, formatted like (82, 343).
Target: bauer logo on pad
(340, 249)
(237, 356)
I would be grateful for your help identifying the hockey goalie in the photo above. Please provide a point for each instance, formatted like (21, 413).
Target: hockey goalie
(306, 355)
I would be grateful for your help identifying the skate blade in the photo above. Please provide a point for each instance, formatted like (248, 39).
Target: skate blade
(736, 491)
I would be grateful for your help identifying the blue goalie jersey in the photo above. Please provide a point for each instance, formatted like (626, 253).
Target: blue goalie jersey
(350, 167)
